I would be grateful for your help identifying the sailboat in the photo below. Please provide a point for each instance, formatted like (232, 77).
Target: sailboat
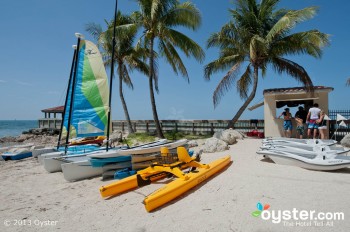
(86, 106)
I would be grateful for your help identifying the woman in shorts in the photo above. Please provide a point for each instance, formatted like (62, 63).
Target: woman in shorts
(322, 126)
(287, 123)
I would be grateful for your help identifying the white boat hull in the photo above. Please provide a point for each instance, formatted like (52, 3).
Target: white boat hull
(298, 163)
(320, 161)
(139, 150)
(40, 151)
(49, 155)
(53, 164)
(82, 169)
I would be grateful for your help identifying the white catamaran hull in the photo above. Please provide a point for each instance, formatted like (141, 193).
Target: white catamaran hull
(82, 169)
(49, 155)
(53, 164)
(40, 151)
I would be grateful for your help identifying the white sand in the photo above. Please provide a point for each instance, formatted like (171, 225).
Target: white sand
(224, 203)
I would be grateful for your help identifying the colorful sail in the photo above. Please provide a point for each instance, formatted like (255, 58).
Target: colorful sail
(91, 93)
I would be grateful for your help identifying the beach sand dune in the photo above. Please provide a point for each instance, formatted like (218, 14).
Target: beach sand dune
(30, 195)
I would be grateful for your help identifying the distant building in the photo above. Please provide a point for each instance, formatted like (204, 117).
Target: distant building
(52, 122)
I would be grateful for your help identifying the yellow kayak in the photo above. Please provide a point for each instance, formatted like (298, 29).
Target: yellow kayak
(179, 186)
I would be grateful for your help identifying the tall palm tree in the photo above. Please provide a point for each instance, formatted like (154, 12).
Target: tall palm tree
(260, 36)
(127, 57)
(159, 19)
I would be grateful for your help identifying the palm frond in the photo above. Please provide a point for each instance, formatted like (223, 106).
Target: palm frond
(289, 20)
(226, 83)
(126, 77)
(221, 64)
(185, 14)
(94, 29)
(309, 42)
(173, 58)
(186, 44)
(282, 65)
(244, 83)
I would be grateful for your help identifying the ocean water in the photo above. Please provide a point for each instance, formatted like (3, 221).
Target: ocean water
(16, 127)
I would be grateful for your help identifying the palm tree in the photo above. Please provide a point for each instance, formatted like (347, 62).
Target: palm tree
(259, 35)
(159, 20)
(127, 57)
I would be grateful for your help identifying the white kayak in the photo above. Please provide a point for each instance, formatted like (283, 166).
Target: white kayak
(144, 149)
(320, 160)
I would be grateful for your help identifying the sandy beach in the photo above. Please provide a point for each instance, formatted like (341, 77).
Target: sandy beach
(34, 200)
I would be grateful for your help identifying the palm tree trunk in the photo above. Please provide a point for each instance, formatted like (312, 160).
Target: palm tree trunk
(153, 101)
(247, 102)
(126, 112)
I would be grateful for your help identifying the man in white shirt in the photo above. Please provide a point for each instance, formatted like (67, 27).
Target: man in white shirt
(312, 117)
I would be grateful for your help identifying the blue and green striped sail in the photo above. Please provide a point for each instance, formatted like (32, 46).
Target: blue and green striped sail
(91, 94)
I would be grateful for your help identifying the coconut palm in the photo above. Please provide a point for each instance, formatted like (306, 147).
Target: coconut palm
(159, 20)
(260, 36)
(126, 56)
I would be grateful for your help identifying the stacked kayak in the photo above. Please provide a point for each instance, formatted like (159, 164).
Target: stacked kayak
(183, 183)
(320, 155)
(101, 163)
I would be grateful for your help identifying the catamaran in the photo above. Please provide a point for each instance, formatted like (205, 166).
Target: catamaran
(86, 106)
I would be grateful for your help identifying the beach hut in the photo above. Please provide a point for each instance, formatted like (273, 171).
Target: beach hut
(276, 100)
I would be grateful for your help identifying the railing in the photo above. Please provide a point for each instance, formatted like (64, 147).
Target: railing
(185, 126)
(336, 131)
(188, 126)
(199, 126)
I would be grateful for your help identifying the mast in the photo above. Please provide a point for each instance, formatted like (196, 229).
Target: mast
(66, 101)
(112, 71)
(79, 36)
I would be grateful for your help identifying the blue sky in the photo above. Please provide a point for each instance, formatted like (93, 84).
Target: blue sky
(36, 52)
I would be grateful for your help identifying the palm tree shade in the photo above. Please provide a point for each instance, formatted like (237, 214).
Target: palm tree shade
(159, 21)
(258, 36)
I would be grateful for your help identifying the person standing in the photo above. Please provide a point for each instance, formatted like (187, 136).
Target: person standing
(300, 127)
(322, 125)
(300, 118)
(312, 117)
(287, 123)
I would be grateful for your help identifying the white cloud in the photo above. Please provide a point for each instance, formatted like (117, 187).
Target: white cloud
(3, 81)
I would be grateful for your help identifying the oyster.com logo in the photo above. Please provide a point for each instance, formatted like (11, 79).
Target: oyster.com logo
(260, 208)
(296, 217)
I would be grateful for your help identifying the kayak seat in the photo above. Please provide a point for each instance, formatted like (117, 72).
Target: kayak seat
(183, 155)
